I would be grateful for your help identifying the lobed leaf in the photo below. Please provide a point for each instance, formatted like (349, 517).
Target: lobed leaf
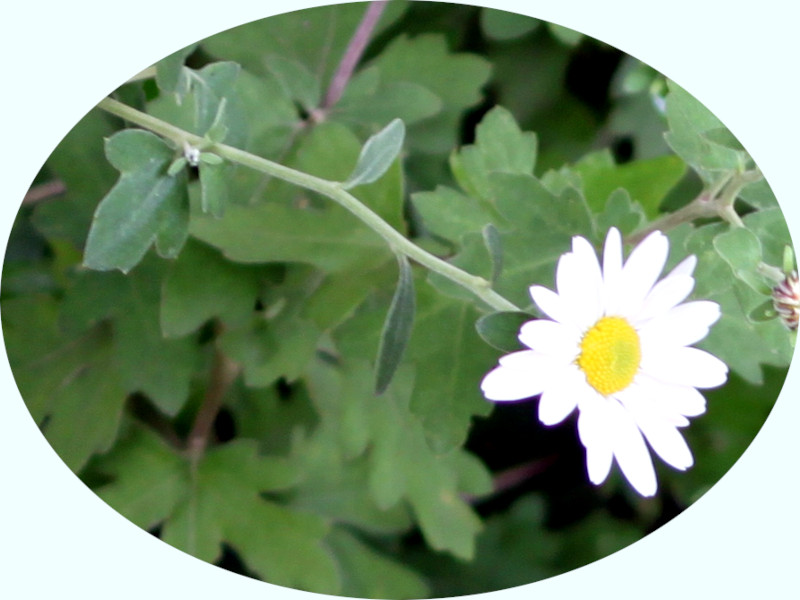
(145, 206)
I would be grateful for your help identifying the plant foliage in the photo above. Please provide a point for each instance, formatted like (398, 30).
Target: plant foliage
(239, 365)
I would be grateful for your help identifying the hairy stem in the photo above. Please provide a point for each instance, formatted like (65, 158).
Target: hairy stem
(333, 190)
(716, 201)
(352, 55)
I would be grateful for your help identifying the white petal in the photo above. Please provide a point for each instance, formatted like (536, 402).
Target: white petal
(612, 254)
(658, 428)
(631, 452)
(673, 401)
(668, 443)
(520, 375)
(666, 294)
(685, 267)
(596, 430)
(551, 338)
(681, 326)
(550, 303)
(684, 366)
(598, 462)
(561, 395)
(687, 400)
(579, 283)
(612, 266)
(640, 273)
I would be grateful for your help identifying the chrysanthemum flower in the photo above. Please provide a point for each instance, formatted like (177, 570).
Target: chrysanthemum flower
(617, 346)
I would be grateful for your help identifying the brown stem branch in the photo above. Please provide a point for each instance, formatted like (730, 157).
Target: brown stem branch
(355, 49)
(511, 478)
(223, 374)
(715, 202)
(44, 191)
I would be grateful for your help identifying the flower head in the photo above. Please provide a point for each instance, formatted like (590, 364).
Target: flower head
(617, 346)
(786, 300)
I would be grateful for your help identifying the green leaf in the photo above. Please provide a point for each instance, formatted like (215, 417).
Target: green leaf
(177, 165)
(621, 212)
(500, 146)
(543, 225)
(378, 154)
(213, 185)
(330, 239)
(297, 81)
(450, 214)
(565, 35)
(368, 101)
(339, 294)
(145, 205)
(287, 229)
(211, 107)
(268, 350)
(455, 78)
(80, 152)
(501, 329)
(723, 137)
(210, 86)
(280, 545)
(201, 285)
(147, 362)
(759, 195)
(647, 181)
(501, 26)
(741, 249)
(218, 131)
(446, 399)
(689, 122)
(767, 342)
(317, 38)
(333, 467)
(444, 405)
(68, 383)
(763, 312)
(402, 467)
(367, 574)
(160, 368)
(150, 478)
(171, 76)
(491, 237)
(788, 261)
(219, 502)
(397, 328)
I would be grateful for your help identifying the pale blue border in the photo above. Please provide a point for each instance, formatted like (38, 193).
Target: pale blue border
(58, 540)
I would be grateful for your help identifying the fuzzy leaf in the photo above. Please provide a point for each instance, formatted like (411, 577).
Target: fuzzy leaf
(491, 238)
(397, 328)
(213, 186)
(501, 329)
(145, 205)
(378, 154)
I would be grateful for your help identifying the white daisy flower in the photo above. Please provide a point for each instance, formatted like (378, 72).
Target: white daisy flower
(617, 346)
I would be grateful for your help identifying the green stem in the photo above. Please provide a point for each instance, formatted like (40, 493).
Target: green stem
(716, 201)
(333, 190)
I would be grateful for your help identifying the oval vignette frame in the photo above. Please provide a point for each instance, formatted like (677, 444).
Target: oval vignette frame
(683, 517)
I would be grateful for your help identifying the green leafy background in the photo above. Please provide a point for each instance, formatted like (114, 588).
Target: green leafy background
(519, 135)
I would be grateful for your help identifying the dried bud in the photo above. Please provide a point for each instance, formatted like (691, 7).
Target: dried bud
(786, 298)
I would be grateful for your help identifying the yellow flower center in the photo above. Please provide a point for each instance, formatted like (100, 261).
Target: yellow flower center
(610, 355)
